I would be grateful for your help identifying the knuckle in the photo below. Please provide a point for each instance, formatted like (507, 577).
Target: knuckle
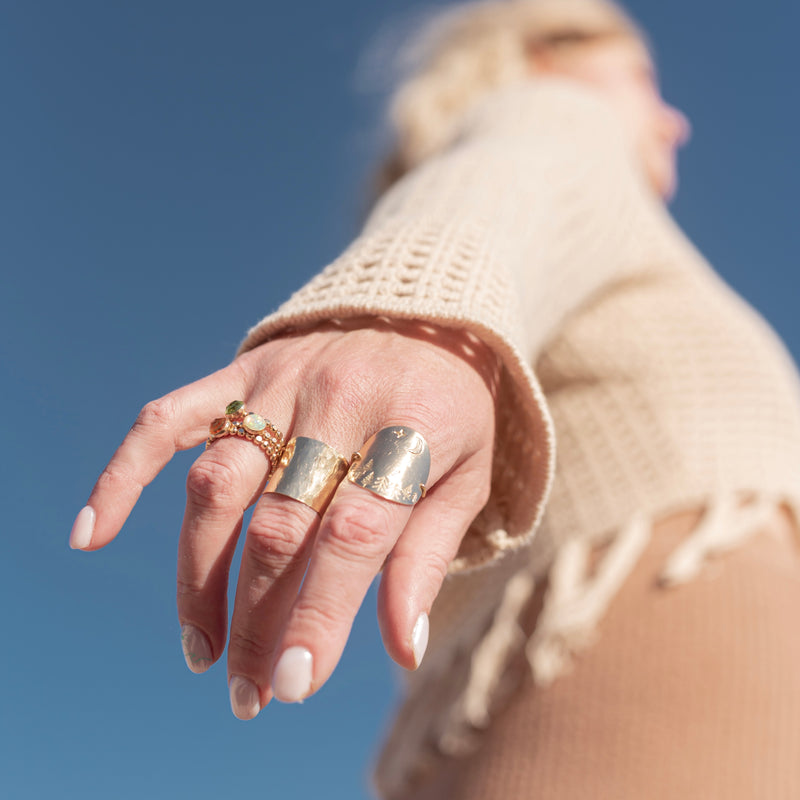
(359, 531)
(114, 479)
(188, 591)
(323, 617)
(343, 384)
(213, 484)
(247, 643)
(425, 411)
(428, 410)
(482, 495)
(159, 413)
(435, 565)
(432, 565)
(282, 515)
(275, 551)
(478, 477)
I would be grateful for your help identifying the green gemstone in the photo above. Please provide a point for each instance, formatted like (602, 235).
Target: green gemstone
(234, 408)
(253, 423)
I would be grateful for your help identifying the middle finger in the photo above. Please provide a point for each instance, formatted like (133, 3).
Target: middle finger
(276, 551)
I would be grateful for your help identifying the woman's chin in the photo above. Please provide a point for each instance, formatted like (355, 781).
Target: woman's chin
(664, 179)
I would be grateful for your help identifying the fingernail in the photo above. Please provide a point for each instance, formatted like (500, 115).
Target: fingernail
(81, 535)
(291, 681)
(419, 638)
(245, 702)
(196, 648)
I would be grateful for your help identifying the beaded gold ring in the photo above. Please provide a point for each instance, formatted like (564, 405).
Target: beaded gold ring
(238, 421)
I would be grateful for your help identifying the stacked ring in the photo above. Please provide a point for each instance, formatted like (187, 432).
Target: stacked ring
(238, 421)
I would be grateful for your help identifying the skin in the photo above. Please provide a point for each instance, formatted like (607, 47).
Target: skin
(338, 384)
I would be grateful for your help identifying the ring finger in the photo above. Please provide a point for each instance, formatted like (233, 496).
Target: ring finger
(222, 483)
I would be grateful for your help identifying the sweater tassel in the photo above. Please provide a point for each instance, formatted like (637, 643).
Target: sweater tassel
(724, 525)
(575, 603)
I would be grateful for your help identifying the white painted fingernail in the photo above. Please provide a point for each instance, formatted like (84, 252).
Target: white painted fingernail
(291, 681)
(196, 648)
(245, 701)
(419, 638)
(81, 535)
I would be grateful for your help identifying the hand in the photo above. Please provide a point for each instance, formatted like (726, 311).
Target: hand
(339, 384)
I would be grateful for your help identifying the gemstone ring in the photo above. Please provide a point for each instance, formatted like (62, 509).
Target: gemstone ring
(238, 421)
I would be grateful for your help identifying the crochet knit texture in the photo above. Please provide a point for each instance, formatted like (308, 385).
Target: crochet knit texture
(620, 345)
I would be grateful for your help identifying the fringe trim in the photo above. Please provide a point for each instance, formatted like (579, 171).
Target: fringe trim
(575, 604)
(576, 601)
(579, 591)
(725, 525)
(503, 639)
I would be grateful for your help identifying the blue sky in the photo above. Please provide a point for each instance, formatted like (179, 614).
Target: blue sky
(157, 158)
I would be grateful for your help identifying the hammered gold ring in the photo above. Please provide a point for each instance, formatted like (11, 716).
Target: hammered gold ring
(238, 421)
(394, 463)
(309, 471)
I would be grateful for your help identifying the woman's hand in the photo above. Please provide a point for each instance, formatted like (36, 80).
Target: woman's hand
(339, 384)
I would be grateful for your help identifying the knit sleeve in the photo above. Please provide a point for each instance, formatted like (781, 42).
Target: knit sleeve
(533, 207)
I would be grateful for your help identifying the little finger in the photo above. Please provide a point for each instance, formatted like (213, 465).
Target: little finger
(414, 572)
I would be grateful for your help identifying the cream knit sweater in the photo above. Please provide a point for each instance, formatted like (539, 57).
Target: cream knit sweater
(661, 388)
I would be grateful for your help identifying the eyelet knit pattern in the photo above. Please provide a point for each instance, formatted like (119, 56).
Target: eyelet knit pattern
(661, 388)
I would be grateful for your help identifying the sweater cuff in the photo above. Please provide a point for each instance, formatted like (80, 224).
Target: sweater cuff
(370, 280)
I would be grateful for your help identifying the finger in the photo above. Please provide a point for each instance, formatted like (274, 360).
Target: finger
(176, 421)
(417, 566)
(357, 532)
(279, 540)
(203, 641)
(224, 481)
(276, 551)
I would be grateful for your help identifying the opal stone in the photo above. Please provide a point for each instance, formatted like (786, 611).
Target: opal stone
(219, 426)
(253, 423)
(234, 408)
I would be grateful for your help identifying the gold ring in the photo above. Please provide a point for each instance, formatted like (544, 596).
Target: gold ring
(395, 464)
(238, 421)
(308, 471)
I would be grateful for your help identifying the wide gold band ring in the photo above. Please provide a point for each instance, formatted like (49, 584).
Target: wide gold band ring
(308, 471)
(393, 463)
(238, 421)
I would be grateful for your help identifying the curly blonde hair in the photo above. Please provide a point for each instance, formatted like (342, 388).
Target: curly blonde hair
(466, 50)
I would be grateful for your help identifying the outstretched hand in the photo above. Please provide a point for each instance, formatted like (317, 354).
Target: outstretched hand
(339, 384)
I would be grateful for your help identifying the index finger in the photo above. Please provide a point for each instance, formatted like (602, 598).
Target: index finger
(177, 421)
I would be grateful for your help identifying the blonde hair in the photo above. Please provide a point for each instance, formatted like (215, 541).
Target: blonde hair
(466, 50)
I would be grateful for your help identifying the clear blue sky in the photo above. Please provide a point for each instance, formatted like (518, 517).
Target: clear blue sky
(155, 155)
